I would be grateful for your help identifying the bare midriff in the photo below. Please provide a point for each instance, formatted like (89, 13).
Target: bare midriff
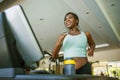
(80, 61)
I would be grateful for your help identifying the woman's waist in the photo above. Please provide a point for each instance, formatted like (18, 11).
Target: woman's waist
(80, 61)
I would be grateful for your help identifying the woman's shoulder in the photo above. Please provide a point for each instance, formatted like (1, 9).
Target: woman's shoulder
(87, 33)
(62, 35)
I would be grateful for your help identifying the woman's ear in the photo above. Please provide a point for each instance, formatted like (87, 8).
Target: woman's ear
(77, 22)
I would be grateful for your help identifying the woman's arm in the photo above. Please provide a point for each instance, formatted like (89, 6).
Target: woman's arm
(91, 44)
(58, 46)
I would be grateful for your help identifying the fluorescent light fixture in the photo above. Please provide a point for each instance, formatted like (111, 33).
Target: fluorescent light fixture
(102, 45)
(61, 52)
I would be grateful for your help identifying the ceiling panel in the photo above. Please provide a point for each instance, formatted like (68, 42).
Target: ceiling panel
(111, 10)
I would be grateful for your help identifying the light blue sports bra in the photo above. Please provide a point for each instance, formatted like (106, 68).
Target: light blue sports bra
(75, 46)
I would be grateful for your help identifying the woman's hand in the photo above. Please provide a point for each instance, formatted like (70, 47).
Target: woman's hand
(90, 52)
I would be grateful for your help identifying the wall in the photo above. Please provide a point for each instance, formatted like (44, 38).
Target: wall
(108, 55)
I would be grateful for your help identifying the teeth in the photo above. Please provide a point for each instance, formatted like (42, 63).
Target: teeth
(68, 23)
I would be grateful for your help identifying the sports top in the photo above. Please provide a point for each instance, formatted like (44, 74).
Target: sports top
(75, 46)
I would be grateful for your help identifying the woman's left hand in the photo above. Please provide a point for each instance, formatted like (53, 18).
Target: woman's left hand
(90, 52)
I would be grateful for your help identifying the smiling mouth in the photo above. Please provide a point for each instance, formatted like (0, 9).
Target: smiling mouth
(68, 24)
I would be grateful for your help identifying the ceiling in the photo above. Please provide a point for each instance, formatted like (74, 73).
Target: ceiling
(100, 17)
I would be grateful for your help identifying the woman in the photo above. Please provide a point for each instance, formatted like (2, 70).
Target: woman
(74, 44)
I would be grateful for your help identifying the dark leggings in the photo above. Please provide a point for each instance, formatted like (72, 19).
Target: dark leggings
(85, 69)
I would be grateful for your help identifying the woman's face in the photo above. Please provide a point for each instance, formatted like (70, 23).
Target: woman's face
(70, 21)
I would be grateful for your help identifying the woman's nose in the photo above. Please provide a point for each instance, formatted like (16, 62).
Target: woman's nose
(66, 20)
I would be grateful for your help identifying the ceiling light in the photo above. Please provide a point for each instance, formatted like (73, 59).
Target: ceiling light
(102, 45)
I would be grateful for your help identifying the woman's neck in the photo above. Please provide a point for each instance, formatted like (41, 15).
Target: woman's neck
(74, 31)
